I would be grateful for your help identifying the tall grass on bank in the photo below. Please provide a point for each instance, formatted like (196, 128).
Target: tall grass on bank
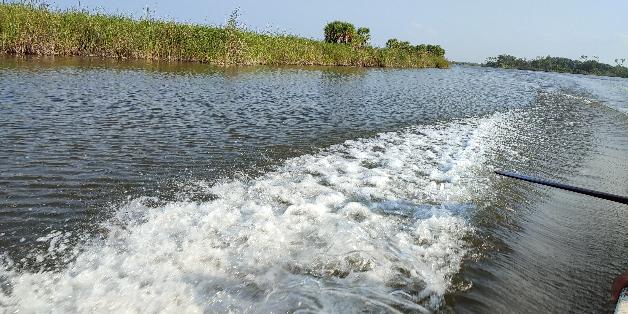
(36, 30)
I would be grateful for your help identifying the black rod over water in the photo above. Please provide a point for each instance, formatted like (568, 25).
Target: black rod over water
(555, 184)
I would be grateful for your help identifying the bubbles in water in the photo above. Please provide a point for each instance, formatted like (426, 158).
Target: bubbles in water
(371, 224)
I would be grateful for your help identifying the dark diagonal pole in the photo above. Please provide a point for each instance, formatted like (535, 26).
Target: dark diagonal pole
(556, 184)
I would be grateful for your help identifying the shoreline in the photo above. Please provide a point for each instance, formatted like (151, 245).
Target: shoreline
(30, 30)
(54, 61)
(558, 65)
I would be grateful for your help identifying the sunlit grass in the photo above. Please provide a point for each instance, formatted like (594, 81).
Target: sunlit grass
(36, 30)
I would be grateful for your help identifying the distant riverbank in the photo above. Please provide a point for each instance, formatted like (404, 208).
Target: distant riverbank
(37, 30)
(563, 65)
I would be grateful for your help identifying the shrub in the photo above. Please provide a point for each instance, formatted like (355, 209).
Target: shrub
(435, 50)
(339, 32)
(394, 43)
(363, 36)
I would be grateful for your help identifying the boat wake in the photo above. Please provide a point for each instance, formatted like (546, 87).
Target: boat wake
(374, 224)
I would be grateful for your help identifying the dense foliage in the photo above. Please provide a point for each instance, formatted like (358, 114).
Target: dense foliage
(405, 45)
(363, 36)
(30, 29)
(338, 32)
(556, 64)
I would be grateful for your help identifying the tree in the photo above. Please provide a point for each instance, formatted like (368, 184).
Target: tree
(420, 49)
(339, 32)
(363, 36)
(436, 50)
(392, 43)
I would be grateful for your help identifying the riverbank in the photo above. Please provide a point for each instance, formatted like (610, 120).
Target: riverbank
(561, 65)
(31, 30)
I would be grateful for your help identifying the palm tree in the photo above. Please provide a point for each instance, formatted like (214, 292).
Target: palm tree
(339, 32)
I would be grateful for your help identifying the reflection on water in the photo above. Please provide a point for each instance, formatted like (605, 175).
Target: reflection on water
(283, 188)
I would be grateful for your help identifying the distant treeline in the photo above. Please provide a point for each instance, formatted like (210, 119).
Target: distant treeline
(34, 29)
(556, 64)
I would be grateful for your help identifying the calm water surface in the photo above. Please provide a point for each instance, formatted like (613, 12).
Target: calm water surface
(151, 187)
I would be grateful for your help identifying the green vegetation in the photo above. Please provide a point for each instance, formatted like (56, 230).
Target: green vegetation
(37, 30)
(563, 65)
(338, 32)
(363, 36)
(406, 46)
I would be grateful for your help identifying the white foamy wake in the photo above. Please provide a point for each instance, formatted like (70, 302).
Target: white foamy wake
(371, 224)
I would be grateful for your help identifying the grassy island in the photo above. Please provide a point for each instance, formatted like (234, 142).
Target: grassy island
(37, 30)
(563, 65)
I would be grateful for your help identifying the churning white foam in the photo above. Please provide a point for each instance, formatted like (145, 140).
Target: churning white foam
(370, 224)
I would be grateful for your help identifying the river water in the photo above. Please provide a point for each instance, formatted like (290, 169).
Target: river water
(129, 186)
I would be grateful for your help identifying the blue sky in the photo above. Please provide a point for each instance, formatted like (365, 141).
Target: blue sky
(468, 30)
